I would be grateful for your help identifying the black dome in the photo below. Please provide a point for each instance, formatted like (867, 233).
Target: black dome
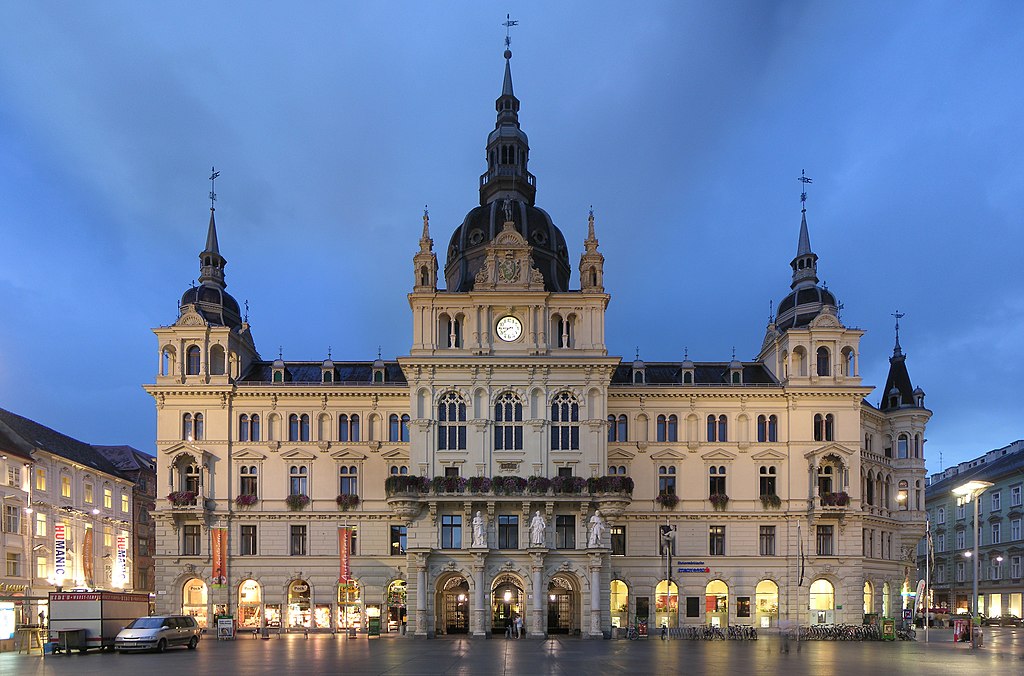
(802, 305)
(216, 305)
(466, 250)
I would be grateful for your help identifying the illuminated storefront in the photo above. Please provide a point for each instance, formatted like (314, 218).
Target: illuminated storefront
(194, 600)
(822, 601)
(395, 601)
(350, 607)
(716, 603)
(298, 605)
(766, 598)
(619, 604)
(666, 604)
(250, 606)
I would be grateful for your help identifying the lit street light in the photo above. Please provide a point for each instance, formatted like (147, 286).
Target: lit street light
(970, 492)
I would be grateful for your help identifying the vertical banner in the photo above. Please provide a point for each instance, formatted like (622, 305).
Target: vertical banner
(60, 551)
(220, 545)
(121, 564)
(87, 558)
(344, 538)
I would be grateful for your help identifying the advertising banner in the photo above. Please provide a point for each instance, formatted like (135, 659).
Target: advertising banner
(220, 546)
(344, 537)
(60, 551)
(121, 563)
(87, 557)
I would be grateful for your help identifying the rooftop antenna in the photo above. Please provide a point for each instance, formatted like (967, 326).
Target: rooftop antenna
(803, 193)
(508, 24)
(213, 178)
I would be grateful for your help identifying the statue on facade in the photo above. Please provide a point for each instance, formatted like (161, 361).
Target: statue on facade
(537, 527)
(597, 528)
(479, 530)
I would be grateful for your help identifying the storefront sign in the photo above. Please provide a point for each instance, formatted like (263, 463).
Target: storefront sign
(11, 587)
(692, 567)
(60, 551)
(219, 538)
(121, 566)
(344, 537)
(87, 556)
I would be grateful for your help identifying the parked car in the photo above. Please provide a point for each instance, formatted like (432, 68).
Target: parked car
(1002, 621)
(159, 632)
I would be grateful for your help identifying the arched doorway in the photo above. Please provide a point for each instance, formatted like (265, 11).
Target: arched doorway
(250, 604)
(508, 601)
(822, 602)
(869, 598)
(619, 604)
(298, 615)
(666, 604)
(350, 606)
(395, 601)
(766, 597)
(193, 601)
(452, 606)
(716, 604)
(886, 600)
(563, 605)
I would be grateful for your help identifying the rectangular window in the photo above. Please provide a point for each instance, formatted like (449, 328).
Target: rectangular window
(1015, 496)
(997, 532)
(959, 571)
(565, 531)
(65, 487)
(716, 540)
(451, 471)
(997, 500)
(399, 540)
(42, 567)
(960, 537)
(565, 472)
(124, 502)
(12, 519)
(40, 479)
(742, 606)
(508, 532)
(824, 540)
(663, 534)
(297, 541)
(14, 476)
(143, 546)
(767, 541)
(40, 525)
(940, 574)
(247, 544)
(1015, 567)
(451, 531)
(941, 515)
(995, 572)
(960, 511)
(1015, 529)
(13, 564)
(108, 537)
(693, 606)
(618, 534)
(189, 540)
(89, 497)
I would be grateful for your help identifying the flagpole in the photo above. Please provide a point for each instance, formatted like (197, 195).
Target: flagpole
(927, 574)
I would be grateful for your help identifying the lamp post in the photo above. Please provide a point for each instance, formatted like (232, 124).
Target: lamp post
(970, 492)
(668, 539)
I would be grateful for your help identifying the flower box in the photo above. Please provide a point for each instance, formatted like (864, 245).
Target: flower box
(405, 483)
(246, 500)
(771, 501)
(297, 502)
(667, 500)
(719, 501)
(478, 484)
(610, 484)
(346, 501)
(182, 498)
(839, 499)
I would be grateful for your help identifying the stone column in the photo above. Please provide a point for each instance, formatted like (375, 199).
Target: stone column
(595, 594)
(478, 628)
(421, 595)
(536, 628)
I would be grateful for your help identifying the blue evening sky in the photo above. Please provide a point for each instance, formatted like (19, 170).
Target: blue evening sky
(685, 124)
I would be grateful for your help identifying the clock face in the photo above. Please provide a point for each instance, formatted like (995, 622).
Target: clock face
(509, 328)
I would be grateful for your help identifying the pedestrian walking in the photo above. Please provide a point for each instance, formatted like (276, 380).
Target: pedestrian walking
(508, 627)
(519, 626)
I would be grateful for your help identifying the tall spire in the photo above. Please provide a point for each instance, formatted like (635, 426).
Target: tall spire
(897, 351)
(805, 263)
(899, 391)
(508, 147)
(211, 263)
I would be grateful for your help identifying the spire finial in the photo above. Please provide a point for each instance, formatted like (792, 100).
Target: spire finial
(734, 353)
(247, 311)
(805, 179)
(213, 179)
(280, 352)
(426, 222)
(637, 353)
(686, 353)
(897, 350)
(590, 224)
(328, 353)
(378, 352)
(771, 311)
(508, 24)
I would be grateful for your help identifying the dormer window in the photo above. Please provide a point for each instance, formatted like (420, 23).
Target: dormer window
(328, 376)
(736, 377)
(687, 377)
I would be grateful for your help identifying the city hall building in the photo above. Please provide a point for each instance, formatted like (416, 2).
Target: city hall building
(457, 487)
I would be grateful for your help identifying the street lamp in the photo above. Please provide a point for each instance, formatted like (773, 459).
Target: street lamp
(668, 539)
(970, 492)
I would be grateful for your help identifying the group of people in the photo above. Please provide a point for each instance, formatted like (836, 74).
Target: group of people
(514, 626)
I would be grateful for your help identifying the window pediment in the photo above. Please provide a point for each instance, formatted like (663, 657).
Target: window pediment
(827, 449)
(395, 454)
(719, 454)
(348, 454)
(247, 454)
(298, 454)
(769, 454)
(667, 454)
(621, 455)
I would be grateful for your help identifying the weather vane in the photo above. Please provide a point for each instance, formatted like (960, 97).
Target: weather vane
(328, 352)
(508, 29)
(247, 311)
(803, 193)
(213, 178)
(898, 315)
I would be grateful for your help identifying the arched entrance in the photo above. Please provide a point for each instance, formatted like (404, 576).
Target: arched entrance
(298, 615)
(666, 604)
(716, 604)
(822, 602)
(563, 605)
(452, 606)
(193, 601)
(395, 602)
(869, 598)
(766, 596)
(250, 604)
(619, 604)
(886, 600)
(508, 601)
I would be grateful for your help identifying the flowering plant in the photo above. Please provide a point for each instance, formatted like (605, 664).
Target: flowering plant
(346, 501)
(508, 485)
(246, 500)
(667, 500)
(610, 484)
(771, 501)
(719, 500)
(404, 483)
(840, 499)
(448, 484)
(478, 484)
(538, 485)
(568, 484)
(182, 498)
(297, 501)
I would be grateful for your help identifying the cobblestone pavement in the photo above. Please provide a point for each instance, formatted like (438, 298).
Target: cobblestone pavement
(1003, 653)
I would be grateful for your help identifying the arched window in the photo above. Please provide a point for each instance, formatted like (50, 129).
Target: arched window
(451, 331)
(200, 427)
(254, 427)
(826, 477)
(622, 428)
(508, 423)
(192, 360)
(823, 595)
(668, 428)
(712, 428)
(687, 378)
(824, 426)
(887, 496)
(767, 428)
(823, 362)
(303, 427)
(902, 443)
(565, 417)
(192, 479)
(343, 427)
(187, 427)
(903, 495)
(766, 479)
(348, 427)
(298, 480)
(293, 427)
(716, 480)
(399, 470)
(217, 361)
(917, 445)
(869, 489)
(619, 598)
(723, 428)
(247, 480)
(848, 365)
(167, 361)
(451, 423)
(243, 427)
(398, 427)
(617, 470)
(328, 376)
(348, 481)
(353, 426)
(773, 428)
(667, 480)
(869, 598)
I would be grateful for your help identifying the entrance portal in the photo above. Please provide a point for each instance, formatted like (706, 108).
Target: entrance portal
(507, 602)
(563, 601)
(452, 606)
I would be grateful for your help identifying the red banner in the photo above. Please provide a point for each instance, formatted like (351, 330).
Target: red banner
(344, 538)
(87, 557)
(219, 542)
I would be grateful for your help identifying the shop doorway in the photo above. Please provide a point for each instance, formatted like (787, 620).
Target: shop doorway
(453, 606)
(250, 606)
(350, 607)
(508, 602)
(299, 615)
(563, 601)
(194, 600)
(716, 603)
(766, 599)
(666, 604)
(395, 602)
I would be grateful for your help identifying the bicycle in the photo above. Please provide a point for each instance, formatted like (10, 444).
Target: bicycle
(631, 633)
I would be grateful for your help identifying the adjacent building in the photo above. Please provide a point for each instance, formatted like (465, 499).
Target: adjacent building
(141, 470)
(1000, 545)
(508, 465)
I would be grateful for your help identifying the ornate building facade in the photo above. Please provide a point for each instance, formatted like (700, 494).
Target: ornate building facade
(460, 485)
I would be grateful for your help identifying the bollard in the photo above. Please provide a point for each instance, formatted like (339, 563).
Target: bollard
(266, 634)
(306, 633)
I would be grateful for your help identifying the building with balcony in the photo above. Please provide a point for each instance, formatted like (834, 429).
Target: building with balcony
(460, 484)
(141, 470)
(1000, 545)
